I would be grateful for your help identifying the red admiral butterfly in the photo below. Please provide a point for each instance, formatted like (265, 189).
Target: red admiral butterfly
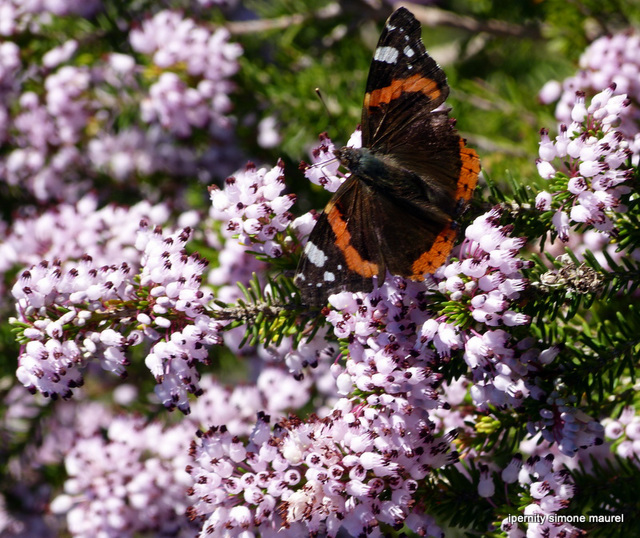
(408, 182)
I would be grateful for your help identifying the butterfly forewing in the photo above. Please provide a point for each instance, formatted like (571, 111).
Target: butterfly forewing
(404, 82)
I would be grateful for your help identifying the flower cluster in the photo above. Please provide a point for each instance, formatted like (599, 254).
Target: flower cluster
(126, 480)
(50, 304)
(119, 467)
(319, 476)
(563, 423)
(324, 167)
(253, 209)
(98, 311)
(72, 230)
(587, 165)
(625, 433)
(550, 491)
(71, 123)
(46, 129)
(15, 15)
(609, 60)
(253, 214)
(208, 57)
(178, 306)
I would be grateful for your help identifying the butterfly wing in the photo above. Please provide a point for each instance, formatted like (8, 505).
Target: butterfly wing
(412, 240)
(399, 121)
(404, 82)
(342, 252)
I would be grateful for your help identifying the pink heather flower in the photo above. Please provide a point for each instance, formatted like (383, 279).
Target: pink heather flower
(579, 110)
(69, 109)
(486, 487)
(253, 209)
(341, 467)
(9, 64)
(550, 92)
(384, 354)
(547, 150)
(561, 222)
(80, 313)
(309, 353)
(268, 135)
(551, 492)
(208, 58)
(566, 425)
(609, 62)
(134, 471)
(543, 201)
(175, 106)
(324, 167)
(625, 431)
(52, 358)
(84, 8)
(510, 473)
(597, 168)
(72, 230)
(60, 54)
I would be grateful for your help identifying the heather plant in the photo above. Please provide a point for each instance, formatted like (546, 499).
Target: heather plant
(160, 374)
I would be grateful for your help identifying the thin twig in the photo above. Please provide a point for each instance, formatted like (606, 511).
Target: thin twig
(428, 16)
(433, 16)
(279, 23)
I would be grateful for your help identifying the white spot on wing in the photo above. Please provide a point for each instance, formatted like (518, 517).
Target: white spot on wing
(408, 51)
(387, 55)
(329, 277)
(315, 255)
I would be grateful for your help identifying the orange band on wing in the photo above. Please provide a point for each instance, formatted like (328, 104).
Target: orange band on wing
(436, 255)
(415, 83)
(343, 242)
(469, 170)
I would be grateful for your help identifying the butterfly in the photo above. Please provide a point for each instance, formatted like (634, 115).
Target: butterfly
(409, 181)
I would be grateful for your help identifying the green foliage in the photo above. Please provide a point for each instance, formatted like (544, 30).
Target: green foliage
(616, 493)
(269, 312)
(455, 489)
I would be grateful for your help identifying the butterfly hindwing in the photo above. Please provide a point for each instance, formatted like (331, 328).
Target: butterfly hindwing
(423, 249)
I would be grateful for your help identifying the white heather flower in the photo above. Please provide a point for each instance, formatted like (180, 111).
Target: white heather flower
(253, 209)
(486, 487)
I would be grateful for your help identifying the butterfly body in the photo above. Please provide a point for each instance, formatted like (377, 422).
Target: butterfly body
(386, 177)
(396, 211)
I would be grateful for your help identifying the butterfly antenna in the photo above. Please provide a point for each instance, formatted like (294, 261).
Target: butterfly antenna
(324, 104)
(321, 165)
